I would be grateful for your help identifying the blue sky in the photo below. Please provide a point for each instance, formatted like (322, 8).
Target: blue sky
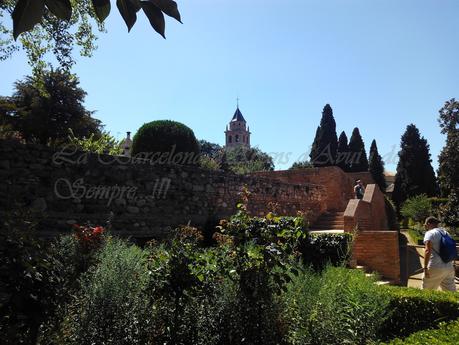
(381, 64)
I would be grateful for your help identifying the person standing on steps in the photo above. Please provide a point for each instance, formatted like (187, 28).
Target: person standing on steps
(437, 273)
(359, 189)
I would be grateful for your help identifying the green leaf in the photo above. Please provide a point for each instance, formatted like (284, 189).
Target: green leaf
(62, 9)
(26, 14)
(169, 7)
(102, 8)
(155, 16)
(128, 10)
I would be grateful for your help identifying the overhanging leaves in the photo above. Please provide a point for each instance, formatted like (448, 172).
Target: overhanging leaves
(62, 9)
(169, 7)
(26, 14)
(155, 16)
(102, 8)
(128, 10)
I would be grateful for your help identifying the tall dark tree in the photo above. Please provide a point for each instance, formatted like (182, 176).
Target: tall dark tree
(448, 171)
(45, 109)
(342, 158)
(325, 145)
(376, 167)
(358, 155)
(415, 174)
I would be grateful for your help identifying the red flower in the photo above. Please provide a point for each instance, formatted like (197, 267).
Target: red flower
(98, 230)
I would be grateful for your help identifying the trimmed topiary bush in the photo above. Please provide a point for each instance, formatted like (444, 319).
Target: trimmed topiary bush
(447, 334)
(412, 310)
(166, 142)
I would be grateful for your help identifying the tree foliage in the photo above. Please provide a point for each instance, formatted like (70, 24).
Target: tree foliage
(301, 165)
(166, 136)
(415, 174)
(343, 154)
(243, 160)
(376, 167)
(358, 161)
(448, 172)
(56, 26)
(43, 110)
(324, 147)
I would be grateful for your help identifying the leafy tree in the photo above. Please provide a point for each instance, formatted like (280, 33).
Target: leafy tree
(45, 114)
(358, 159)
(105, 143)
(415, 174)
(376, 167)
(342, 158)
(448, 172)
(243, 160)
(62, 24)
(324, 147)
(301, 165)
(210, 149)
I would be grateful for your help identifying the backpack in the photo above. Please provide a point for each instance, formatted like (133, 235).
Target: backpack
(447, 247)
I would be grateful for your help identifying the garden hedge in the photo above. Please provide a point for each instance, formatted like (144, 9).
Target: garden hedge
(412, 310)
(446, 334)
(318, 250)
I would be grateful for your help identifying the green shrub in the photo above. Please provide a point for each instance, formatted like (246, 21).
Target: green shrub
(29, 283)
(172, 140)
(450, 210)
(318, 250)
(446, 334)
(111, 306)
(417, 232)
(417, 208)
(340, 306)
(412, 310)
(104, 143)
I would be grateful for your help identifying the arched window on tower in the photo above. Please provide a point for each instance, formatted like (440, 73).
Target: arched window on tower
(237, 138)
(230, 139)
(243, 138)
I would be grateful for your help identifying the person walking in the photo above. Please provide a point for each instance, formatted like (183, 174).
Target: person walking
(359, 189)
(437, 273)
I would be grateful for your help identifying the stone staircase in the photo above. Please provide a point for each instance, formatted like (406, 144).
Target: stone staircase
(333, 221)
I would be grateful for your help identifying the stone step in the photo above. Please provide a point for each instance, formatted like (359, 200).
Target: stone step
(330, 221)
(328, 227)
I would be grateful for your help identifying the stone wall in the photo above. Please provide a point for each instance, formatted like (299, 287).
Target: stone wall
(144, 200)
(379, 251)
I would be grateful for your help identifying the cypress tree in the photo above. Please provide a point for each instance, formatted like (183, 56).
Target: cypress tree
(376, 167)
(324, 147)
(415, 174)
(358, 158)
(342, 157)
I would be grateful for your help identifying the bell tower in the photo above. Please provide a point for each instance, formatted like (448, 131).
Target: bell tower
(237, 133)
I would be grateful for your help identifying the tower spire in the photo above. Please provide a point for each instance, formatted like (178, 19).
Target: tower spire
(237, 102)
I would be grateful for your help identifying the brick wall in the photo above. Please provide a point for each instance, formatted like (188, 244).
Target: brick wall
(338, 185)
(379, 250)
(156, 198)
